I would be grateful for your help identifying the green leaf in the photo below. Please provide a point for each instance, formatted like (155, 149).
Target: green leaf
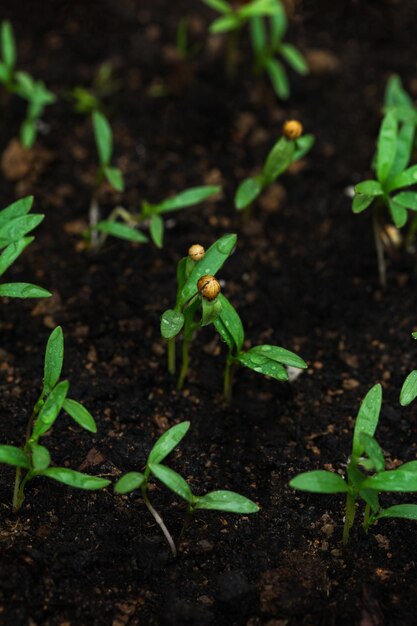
(278, 160)
(248, 190)
(231, 322)
(156, 228)
(262, 365)
(167, 442)
(50, 410)
(398, 213)
(189, 197)
(367, 419)
(129, 482)
(213, 260)
(121, 231)
(17, 209)
(405, 141)
(360, 203)
(294, 58)
(372, 448)
(228, 501)
(25, 86)
(224, 333)
(395, 94)
(407, 199)
(278, 78)
(387, 146)
(303, 145)
(54, 358)
(173, 481)
(258, 36)
(75, 479)
(224, 24)
(404, 179)
(404, 478)
(103, 136)
(18, 227)
(172, 323)
(369, 188)
(218, 5)
(80, 415)
(278, 24)
(8, 46)
(114, 177)
(280, 355)
(414, 335)
(41, 458)
(259, 7)
(12, 252)
(210, 311)
(319, 481)
(23, 290)
(10, 455)
(409, 389)
(403, 511)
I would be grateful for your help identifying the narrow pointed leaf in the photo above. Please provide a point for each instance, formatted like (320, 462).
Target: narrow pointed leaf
(319, 481)
(18, 227)
(367, 419)
(12, 252)
(278, 78)
(17, 209)
(121, 231)
(262, 365)
(50, 410)
(404, 179)
(23, 290)
(403, 511)
(75, 479)
(167, 442)
(294, 58)
(409, 389)
(172, 323)
(173, 481)
(280, 355)
(228, 501)
(407, 199)
(247, 192)
(129, 482)
(231, 322)
(156, 228)
(114, 177)
(404, 478)
(10, 455)
(369, 188)
(360, 203)
(278, 160)
(54, 358)
(387, 146)
(189, 197)
(103, 136)
(80, 414)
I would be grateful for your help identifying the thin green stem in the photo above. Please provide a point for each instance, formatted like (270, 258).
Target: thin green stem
(349, 516)
(171, 355)
(19, 494)
(18, 475)
(411, 234)
(158, 519)
(376, 224)
(228, 379)
(185, 362)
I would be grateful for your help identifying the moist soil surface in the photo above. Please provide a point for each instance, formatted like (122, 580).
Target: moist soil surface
(303, 276)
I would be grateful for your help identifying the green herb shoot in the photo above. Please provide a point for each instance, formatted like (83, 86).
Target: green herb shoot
(33, 459)
(104, 85)
(267, 22)
(15, 224)
(22, 85)
(409, 389)
(288, 149)
(124, 224)
(227, 501)
(389, 191)
(366, 475)
(201, 303)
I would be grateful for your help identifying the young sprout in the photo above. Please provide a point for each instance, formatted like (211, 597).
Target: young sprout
(409, 389)
(366, 476)
(200, 303)
(291, 147)
(22, 85)
(15, 224)
(268, 23)
(393, 173)
(33, 458)
(150, 215)
(227, 501)
(104, 84)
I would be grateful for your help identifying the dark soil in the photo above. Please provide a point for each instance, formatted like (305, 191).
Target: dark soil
(303, 276)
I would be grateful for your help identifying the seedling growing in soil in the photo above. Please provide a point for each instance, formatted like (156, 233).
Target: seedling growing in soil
(366, 475)
(123, 224)
(104, 85)
(33, 459)
(267, 43)
(15, 224)
(268, 23)
(200, 303)
(227, 501)
(22, 85)
(393, 175)
(291, 147)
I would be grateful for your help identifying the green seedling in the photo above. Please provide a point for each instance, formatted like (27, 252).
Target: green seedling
(15, 224)
(33, 459)
(227, 501)
(106, 172)
(22, 85)
(267, 43)
(291, 147)
(267, 22)
(366, 475)
(394, 174)
(104, 85)
(124, 224)
(200, 303)
(409, 389)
